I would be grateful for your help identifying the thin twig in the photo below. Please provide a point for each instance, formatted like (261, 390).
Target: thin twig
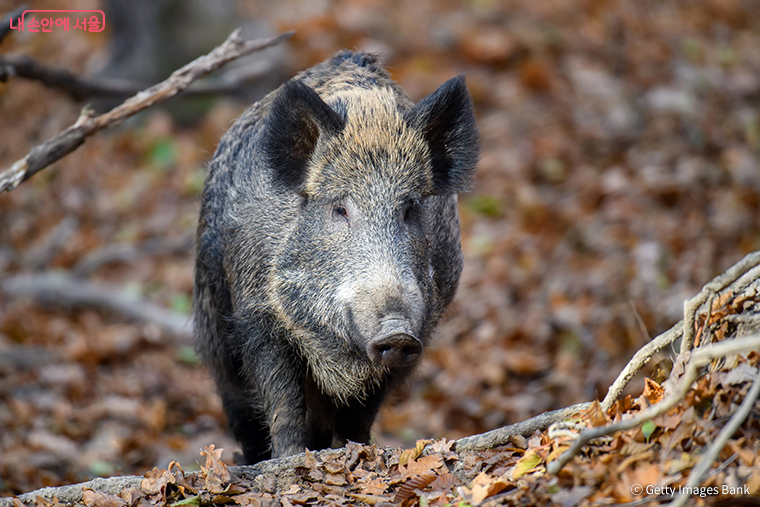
(706, 336)
(638, 361)
(67, 141)
(707, 459)
(742, 318)
(699, 357)
(690, 309)
(80, 88)
(64, 291)
(640, 322)
(723, 465)
(720, 282)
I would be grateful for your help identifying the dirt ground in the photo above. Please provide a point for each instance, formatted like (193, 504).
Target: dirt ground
(619, 173)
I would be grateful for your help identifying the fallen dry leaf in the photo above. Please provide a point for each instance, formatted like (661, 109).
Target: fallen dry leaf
(215, 474)
(370, 499)
(252, 499)
(595, 416)
(155, 482)
(556, 452)
(407, 489)
(653, 391)
(483, 487)
(376, 486)
(335, 479)
(683, 462)
(421, 465)
(445, 482)
(97, 499)
(413, 453)
(131, 495)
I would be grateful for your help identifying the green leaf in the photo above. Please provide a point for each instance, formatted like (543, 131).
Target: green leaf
(529, 461)
(647, 429)
(191, 500)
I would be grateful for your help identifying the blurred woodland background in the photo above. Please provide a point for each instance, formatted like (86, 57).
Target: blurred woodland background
(619, 174)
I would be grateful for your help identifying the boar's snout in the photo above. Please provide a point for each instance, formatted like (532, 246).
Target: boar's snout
(394, 346)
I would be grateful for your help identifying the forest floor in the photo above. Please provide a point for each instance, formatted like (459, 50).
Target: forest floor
(619, 173)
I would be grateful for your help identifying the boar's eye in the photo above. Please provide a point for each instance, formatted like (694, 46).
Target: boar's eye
(339, 211)
(410, 211)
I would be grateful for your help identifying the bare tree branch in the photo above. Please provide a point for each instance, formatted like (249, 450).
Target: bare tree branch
(41, 255)
(742, 276)
(80, 88)
(737, 272)
(699, 358)
(64, 291)
(126, 252)
(706, 461)
(70, 139)
(72, 493)
(283, 470)
(638, 361)
(501, 436)
(736, 278)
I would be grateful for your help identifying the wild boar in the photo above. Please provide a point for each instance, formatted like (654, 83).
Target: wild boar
(328, 248)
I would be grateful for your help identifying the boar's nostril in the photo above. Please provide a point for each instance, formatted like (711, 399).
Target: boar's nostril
(395, 350)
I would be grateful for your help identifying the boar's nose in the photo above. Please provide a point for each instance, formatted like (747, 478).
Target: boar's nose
(394, 346)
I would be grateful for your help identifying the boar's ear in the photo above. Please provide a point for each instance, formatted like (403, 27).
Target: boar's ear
(447, 122)
(296, 120)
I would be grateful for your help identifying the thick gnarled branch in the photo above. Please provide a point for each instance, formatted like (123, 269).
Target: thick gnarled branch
(502, 436)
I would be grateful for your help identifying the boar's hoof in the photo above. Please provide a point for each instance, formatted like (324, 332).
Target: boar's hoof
(394, 348)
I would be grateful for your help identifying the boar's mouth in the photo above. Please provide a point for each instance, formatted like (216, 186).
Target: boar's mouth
(394, 346)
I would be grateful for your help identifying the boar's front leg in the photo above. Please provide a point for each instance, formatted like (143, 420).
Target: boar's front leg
(275, 374)
(354, 422)
(245, 422)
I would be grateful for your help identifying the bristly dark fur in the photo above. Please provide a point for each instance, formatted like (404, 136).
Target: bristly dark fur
(328, 236)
